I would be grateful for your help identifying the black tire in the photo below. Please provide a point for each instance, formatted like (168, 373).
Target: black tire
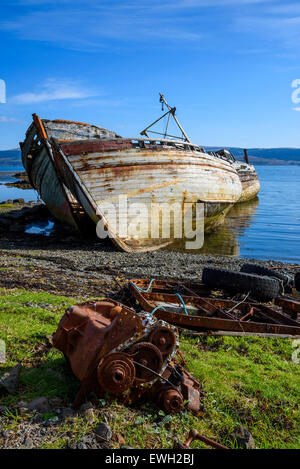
(259, 270)
(260, 288)
(297, 281)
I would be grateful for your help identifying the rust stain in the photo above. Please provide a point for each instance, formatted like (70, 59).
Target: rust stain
(94, 146)
(145, 190)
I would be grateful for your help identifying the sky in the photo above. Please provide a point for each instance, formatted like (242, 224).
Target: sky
(231, 67)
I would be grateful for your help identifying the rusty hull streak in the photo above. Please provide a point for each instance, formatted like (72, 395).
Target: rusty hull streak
(144, 191)
(114, 350)
(211, 313)
(94, 146)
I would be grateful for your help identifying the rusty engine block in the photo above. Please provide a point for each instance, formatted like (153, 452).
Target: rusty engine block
(114, 350)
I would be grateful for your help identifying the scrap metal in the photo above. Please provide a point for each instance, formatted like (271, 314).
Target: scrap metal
(206, 312)
(114, 350)
(194, 435)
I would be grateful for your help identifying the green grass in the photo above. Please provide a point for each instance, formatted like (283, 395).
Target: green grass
(246, 381)
(5, 207)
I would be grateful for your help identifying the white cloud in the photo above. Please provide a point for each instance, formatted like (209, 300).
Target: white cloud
(53, 90)
(283, 30)
(8, 119)
(285, 9)
(89, 25)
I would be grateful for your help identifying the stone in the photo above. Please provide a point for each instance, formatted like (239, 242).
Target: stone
(50, 422)
(103, 432)
(28, 443)
(67, 413)
(86, 442)
(85, 406)
(9, 382)
(243, 437)
(37, 419)
(81, 445)
(56, 402)
(40, 404)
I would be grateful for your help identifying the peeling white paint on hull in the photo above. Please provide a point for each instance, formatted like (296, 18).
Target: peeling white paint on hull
(146, 172)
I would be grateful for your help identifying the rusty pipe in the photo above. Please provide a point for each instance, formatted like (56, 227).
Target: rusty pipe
(194, 435)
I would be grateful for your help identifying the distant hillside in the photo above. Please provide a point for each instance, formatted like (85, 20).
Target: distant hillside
(10, 158)
(259, 156)
(266, 156)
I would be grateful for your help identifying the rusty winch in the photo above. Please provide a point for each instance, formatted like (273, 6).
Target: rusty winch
(113, 350)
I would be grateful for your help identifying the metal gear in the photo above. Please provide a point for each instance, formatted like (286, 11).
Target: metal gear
(116, 373)
(170, 400)
(164, 339)
(149, 356)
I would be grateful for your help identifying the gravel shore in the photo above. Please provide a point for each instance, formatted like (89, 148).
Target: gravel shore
(73, 267)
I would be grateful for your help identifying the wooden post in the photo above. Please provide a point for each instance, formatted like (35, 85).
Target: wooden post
(246, 156)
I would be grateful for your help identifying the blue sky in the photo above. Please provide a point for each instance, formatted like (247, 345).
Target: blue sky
(228, 66)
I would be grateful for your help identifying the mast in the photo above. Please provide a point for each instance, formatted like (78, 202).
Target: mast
(171, 112)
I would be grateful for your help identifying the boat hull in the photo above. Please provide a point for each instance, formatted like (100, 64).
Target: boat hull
(249, 180)
(43, 177)
(41, 167)
(101, 174)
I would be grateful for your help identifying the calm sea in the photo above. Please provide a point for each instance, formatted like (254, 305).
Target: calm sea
(6, 193)
(265, 228)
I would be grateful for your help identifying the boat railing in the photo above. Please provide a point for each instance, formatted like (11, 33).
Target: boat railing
(150, 143)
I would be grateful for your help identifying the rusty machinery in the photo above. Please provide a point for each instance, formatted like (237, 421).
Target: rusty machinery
(114, 350)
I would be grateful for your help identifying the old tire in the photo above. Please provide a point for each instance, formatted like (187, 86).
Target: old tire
(297, 281)
(260, 288)
(259, 270)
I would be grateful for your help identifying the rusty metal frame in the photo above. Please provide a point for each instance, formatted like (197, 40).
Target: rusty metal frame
(254, 318)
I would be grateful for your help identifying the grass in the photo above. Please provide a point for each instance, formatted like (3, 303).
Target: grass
(5, 207)
(246, 381)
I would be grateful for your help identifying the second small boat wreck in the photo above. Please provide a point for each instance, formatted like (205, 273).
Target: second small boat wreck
(90, 176)
(247, 174)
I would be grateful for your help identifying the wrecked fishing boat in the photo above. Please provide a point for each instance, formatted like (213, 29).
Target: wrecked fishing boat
(42, 167)
(81, 170)
(247, 174)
